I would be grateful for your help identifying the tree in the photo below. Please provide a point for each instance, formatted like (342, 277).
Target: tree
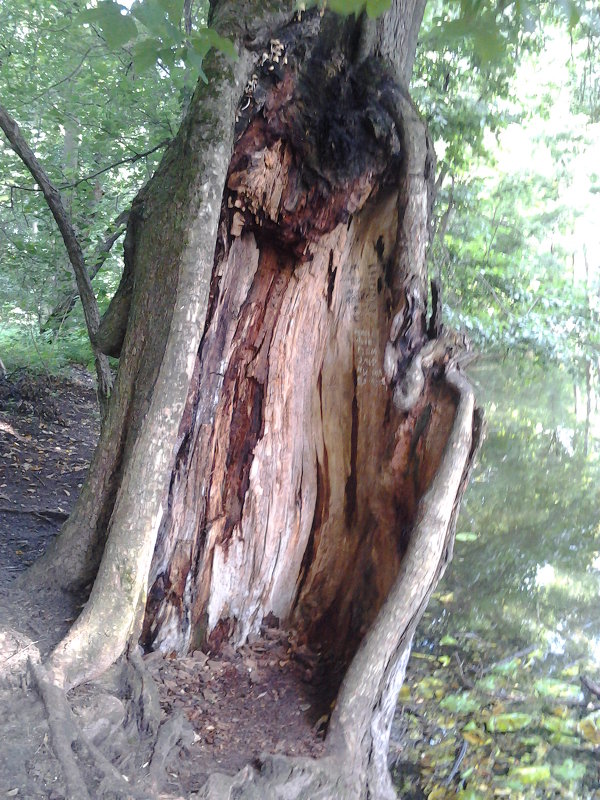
(73, 247)
(287, 436)
(57, 76)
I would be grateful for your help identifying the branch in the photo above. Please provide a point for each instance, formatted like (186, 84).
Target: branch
(126, 160)
(84, 284)
(62, 80)
(65, 305)
(91, 176)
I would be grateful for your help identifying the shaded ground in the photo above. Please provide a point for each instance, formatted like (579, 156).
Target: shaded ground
(48, 430)
(233, 705)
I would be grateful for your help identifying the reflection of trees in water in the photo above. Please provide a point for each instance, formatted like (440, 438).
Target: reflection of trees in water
(534, 505)
(585, 402)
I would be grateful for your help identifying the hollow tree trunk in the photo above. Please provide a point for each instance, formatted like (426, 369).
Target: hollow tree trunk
(284, 440)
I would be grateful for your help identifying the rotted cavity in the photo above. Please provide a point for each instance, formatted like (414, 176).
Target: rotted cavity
(314, 140)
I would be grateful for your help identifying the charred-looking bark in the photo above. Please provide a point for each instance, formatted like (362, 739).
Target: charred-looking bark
(284, 440)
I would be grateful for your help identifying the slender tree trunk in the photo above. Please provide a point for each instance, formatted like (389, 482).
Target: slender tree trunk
(73, 247)
(284, 440)
(66, 304)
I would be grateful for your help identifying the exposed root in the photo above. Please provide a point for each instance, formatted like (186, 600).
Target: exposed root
(64, 732)
(88, 773)
(164, 736)
(284, 778)
(169, 734)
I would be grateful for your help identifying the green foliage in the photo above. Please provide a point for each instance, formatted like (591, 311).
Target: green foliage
(68, 73)
(373, 8)
(90, 119)
(25, 348)
(117, 28)
(155, 32)
(506, 246)
(495, 674)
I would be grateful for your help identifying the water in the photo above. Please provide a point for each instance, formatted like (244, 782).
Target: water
(532, 575)
(494, 704)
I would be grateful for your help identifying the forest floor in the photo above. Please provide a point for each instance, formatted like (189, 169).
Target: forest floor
(233, 706)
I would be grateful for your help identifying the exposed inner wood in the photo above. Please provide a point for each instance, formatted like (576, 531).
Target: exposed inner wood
(297, 480)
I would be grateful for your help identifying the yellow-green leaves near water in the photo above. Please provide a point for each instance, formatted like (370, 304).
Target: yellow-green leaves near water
(475, 726)
(589, 728)
(506, 723)
(466, 536)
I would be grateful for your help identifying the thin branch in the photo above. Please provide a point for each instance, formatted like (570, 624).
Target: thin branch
(525, 651)
(62, 80)
(127, 160)
(459, 759)
(63, 308)
(12, 186)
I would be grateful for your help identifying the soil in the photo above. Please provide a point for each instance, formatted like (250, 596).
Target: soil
(48, 430)
(235, 705)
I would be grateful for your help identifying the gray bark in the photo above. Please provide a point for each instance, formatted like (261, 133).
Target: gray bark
(102, 631)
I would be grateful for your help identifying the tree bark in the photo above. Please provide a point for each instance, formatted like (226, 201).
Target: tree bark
(284, 440)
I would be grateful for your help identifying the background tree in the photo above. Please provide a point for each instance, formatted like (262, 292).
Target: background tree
(56, 75)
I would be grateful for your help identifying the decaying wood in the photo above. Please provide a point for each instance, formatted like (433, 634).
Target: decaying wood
(287, 446)
(355, 765)
(303, 489)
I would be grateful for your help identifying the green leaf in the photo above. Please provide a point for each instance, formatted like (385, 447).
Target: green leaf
(117, 28)
(550, 687)
(194, 59)
(489, 683)
(145, 54)
(466, 536)
(589, 727)
(462, 703)
(506, 723)
(220, 43)
(174, 10)
(469, 794)
(528, 776)
(489, 44)
(571, 12)
(152, 17)
(448, 640)
(375, 8)
(569, 771)
(168, 56)
(556, 724)
(346, 7)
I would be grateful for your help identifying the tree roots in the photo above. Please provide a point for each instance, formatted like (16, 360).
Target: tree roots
(139, 746)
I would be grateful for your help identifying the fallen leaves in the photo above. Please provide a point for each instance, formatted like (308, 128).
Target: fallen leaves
(524, 734)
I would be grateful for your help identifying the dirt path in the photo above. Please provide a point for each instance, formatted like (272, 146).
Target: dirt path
(228, 707)
(48, 430)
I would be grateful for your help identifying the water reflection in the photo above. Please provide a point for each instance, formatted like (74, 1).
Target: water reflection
(531, 575)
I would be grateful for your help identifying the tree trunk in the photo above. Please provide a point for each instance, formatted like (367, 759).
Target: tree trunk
(284, 441)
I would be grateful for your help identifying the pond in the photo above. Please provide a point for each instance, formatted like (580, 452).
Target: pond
(497, 700)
